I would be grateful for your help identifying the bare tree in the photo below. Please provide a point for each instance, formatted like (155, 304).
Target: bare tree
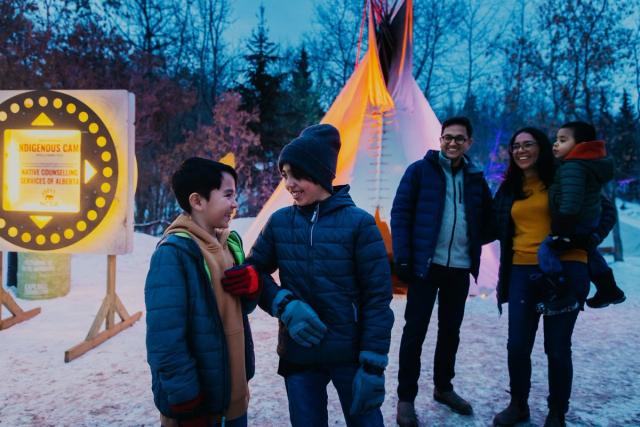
(514, 47)
(213, 19)
(433, 21)
(333, 43)
(636, 61)
(579, 51)
(478, 29)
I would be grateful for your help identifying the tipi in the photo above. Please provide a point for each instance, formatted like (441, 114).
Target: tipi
(384, 127)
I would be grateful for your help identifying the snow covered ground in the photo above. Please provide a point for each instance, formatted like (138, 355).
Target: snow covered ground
(110, 386)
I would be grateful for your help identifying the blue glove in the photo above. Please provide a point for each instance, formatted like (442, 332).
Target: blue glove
(548, 258)
(368, 384)
(302, 322)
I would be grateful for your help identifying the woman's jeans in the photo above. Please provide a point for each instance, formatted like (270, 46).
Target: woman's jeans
(523, 324)
(307, 393)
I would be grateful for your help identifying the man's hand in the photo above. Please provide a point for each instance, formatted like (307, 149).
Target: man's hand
(404, 272)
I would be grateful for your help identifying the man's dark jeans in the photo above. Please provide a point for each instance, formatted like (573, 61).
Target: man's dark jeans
(523, 324)
(451, 286)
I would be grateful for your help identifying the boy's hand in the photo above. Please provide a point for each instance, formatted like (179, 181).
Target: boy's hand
(242, 280)
(368, 383)
(200, 421)
(561, 243)
(303, 324)
(190, 413)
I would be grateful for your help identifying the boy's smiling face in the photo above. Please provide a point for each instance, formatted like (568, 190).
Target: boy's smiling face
(217, 211)
(565, 141)
(303, 191)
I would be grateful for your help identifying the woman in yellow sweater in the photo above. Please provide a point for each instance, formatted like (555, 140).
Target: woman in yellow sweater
(522, 208)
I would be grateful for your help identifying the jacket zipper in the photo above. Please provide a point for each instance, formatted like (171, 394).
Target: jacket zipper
(455, 218)
(314, 219)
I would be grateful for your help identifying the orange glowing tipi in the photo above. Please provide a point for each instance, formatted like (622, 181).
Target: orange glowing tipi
(384, 127)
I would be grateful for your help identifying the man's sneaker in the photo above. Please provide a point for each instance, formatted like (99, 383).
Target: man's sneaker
(516, 412)
(453, 401)
(603, 299)
(406, 416)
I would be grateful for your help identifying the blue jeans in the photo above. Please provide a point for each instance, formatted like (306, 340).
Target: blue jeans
(238, 422)
(523, 324)
(307, 393)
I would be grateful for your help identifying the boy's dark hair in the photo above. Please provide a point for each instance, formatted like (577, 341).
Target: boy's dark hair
(582, 131)
(458, 120)
(298, 173)
(514, 177)
(198, 175)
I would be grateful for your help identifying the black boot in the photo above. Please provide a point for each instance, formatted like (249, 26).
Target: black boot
(607, 291)
(554, 419)
(516, 412)
(453, 401)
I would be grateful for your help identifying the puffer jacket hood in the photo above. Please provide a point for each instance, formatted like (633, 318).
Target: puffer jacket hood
(593, 156)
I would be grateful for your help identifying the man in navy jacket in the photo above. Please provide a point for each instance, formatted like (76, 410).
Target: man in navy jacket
(439, 215)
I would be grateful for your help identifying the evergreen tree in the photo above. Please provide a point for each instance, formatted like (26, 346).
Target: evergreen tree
(262, 91)
(303, 108)
(626, 149)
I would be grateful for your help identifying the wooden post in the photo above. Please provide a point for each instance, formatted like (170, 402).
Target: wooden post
(106, 314)
(19, 315)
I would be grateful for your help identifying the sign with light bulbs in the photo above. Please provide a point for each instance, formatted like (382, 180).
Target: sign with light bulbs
(67, 170)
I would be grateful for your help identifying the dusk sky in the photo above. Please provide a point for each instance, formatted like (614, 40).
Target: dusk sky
(286, 19)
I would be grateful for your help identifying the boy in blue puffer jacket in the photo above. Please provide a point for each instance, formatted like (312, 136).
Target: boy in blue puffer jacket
(199, 344)
(333, 302)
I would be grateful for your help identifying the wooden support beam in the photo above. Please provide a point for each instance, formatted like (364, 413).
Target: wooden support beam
(83, 347)
(18, 314)
(106, 315)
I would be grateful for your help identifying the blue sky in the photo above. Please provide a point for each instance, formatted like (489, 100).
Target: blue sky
(286, 19)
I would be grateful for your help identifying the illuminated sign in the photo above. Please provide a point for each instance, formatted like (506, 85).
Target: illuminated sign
(42, 170)
(61, 170)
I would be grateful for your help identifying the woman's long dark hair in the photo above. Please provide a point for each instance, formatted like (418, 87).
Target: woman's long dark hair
(514, 178)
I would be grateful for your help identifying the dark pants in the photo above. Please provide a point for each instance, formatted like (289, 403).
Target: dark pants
(523, 324)
(451, 285)
(596, 263)
(307, 394)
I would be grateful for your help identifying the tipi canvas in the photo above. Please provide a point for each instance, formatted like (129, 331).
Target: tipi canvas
(384, 128)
